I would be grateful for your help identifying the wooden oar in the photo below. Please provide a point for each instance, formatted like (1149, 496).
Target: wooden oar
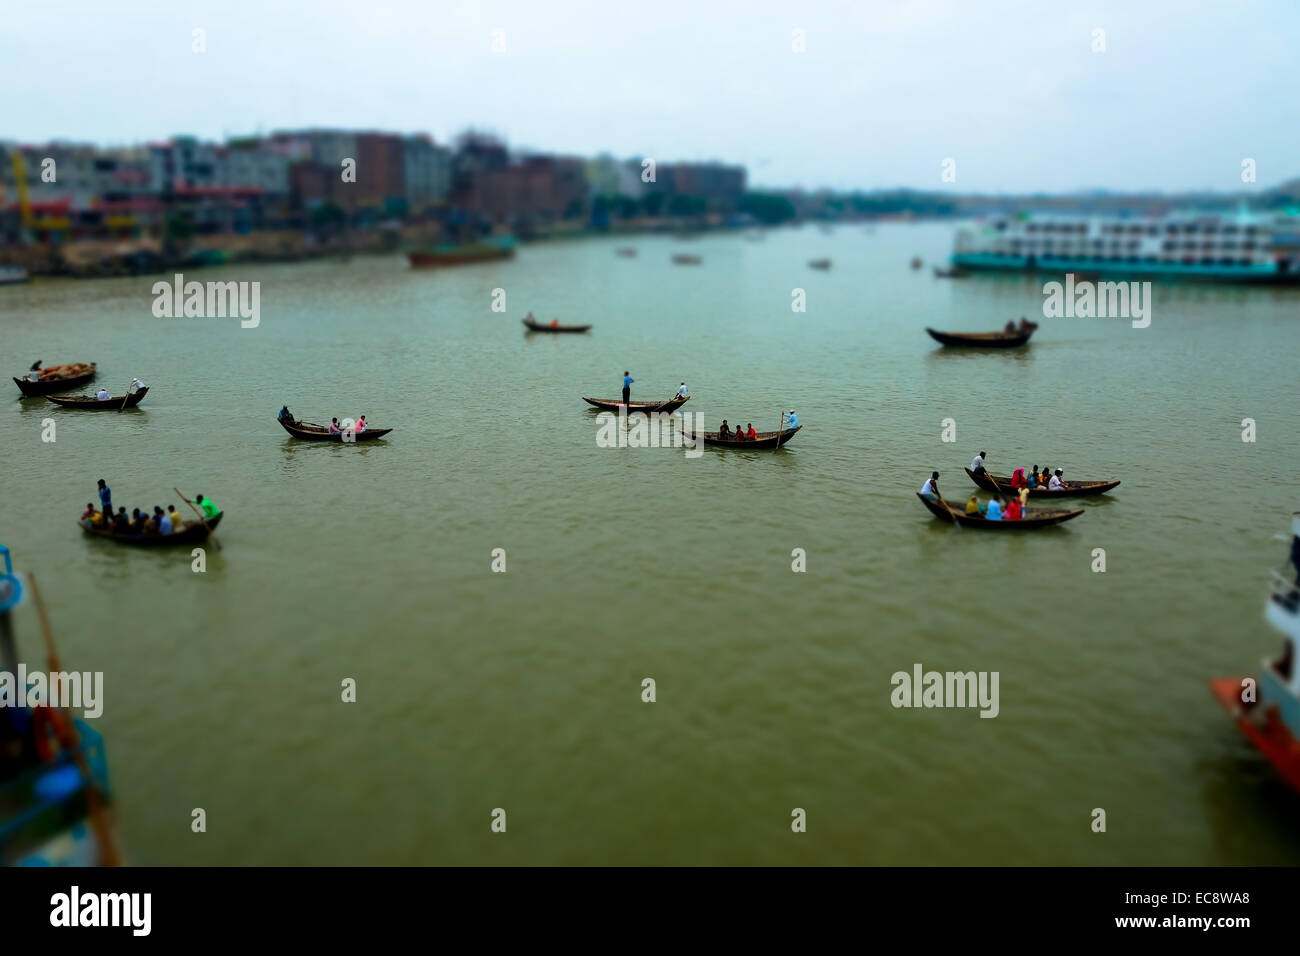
(95, 802)
(124, 398)
(211, 534)
(945, 507)
(779, 429)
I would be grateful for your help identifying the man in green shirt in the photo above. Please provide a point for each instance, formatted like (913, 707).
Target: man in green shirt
(209, 509)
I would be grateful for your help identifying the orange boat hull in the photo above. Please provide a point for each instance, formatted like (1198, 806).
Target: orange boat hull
(1269, 734)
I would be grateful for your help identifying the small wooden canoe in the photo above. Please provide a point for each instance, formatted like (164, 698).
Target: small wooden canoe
(686, 260)
(1034, 517)
(88, 403)
(1073, 489)
(614, 404)
(627, 253)
(765, 440)
(819, 264)
(58, 378)
(309, 431)
(191, 532)
(940, 273)
(533, 326)
(981, 340)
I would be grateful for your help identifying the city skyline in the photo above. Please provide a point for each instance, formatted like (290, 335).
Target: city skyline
(878, 100)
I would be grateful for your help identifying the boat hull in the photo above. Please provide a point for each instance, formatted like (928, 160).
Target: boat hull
(1250, 275)
(540, 327)
(634, 408)
(980, 340)
(1073, 489)
(86, 403)
(1265, 729)
(765, 440)
(1036, 517)
(297, 430)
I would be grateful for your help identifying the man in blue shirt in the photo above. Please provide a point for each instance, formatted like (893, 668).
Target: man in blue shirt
(627, 387)
(106, 499)
(791, 420)
(995, 509)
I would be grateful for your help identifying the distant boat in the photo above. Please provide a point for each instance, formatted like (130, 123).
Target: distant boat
(626, 252)
(940, 273)
(89, 403)
(1071, 489)
(309, 431)
(682, 260)
(819, 264)
(534, 326)
(614, 404)
(916, 262)
(191, 531)
(984, 340)
(58, 378)
(454, 254)
(12, 275)
(1034, 517)
(764, 440)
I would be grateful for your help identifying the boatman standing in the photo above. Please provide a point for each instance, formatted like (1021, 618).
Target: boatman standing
(106, 499)
(931, 489)
(137, 385)
(209, 509)
(791, 420)
(682, 393)
(977, 463)
(627, 388)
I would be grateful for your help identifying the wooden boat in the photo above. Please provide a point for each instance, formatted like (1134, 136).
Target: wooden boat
(309, 431)
(819, 264)
(88, 403)
(765, 440)
(454, 254)
(916, 262)
(686, 260)
(614, 404)
(982, 340)
(940, 273)
(626, 253)
(535, 326)
(1073, 489)
(1034, 517)
(192, 532)
(58, 378)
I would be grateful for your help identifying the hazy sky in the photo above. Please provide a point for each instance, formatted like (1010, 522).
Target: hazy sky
(883, 94)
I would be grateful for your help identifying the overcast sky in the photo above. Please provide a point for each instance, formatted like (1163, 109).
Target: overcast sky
(1012, 91)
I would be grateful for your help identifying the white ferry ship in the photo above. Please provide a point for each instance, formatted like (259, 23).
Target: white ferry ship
(1237, 247)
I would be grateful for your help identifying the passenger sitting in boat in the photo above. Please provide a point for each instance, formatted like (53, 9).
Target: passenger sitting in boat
(681, 392)
(555, 323)
(120, 523)
(103, 395)
(175, 519)
(150, 525)
(724, 432)
(1011, 328)
(1014, 511)
(751, 435)
(1033, 478)
(163, 522)
(738, 434)
(1056, 484)
(1018, 478)
(994, 512)
(1024, 499)
(90, 510)
(285, 415)
(977, 464)
(34, 375)
(973, 506)
(361, 424)
(137, 521)
(930, 489)
(334, 427)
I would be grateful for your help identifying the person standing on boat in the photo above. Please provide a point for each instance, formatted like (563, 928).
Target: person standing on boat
(791, 420)
(137, 386)
(977, 463)
(627, 388)
(931, 488)
(209, 509)
(106, 499)
(682, 393)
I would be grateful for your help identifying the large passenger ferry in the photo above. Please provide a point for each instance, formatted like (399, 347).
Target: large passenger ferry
(1267, 708)
(1237, 247)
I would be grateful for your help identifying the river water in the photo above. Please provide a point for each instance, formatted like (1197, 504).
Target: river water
(523, 690)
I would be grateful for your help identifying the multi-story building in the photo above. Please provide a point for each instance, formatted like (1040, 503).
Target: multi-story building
(428, 170)
(609, 177)
(721, 187)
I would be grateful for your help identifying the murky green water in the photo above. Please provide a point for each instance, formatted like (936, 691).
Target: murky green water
(522, 690)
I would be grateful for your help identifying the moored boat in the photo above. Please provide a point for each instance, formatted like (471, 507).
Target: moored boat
(615, 404)
(819, 264)
(1073, 489)
(763, 440)
(57, 378)
(626, 252)
(310, 431)
(941, 273)
(1034, 517)
(686, 260)
(982, 340)
(452, 254)
(88, 403)
(534, 326)
(1267, 709)
(191, 532)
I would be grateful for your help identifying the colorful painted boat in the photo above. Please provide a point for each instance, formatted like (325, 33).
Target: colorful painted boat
(1267, 708)
(455, 254)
